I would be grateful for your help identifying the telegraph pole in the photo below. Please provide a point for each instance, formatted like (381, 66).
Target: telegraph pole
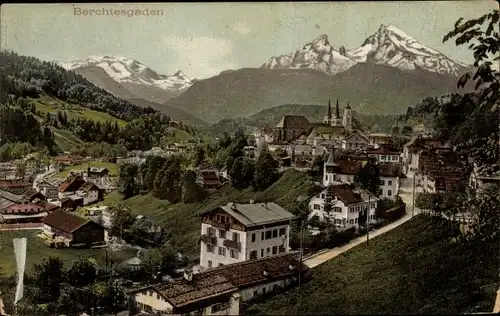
(413, 205)
(368, 220)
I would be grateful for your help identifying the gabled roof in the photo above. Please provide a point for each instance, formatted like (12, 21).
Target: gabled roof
(254, 214)
(65, 221)
(183, 292)
(346, 194)
(74, 182)
(89, 186)
(248, 273)
(293, 121)
(384, 150)
(357, 133)
(390, 169)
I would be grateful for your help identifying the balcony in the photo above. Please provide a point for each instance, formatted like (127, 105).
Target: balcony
(225, 226)
(232, 244)
(209, 239)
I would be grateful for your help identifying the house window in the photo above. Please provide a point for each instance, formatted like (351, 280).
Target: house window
(157, 296)
(222, 251)
(389, 192)
(326, 177)
(282, 232)
(262, 236)
(337, 209)
(210, 248)
(217, 308)
(263, 290)
(389, 182)
(275, 233)
(269, 234)
(355, 221)
(268, 250)
(253, 237)
(276, 287)
(275, 250)
(220, 264)
(382, 182)
(209, 263)
(253, 254)
(351, 221)
(236, 237)
(218, 218)
(262, 253)
(317, 207)
(322, 195)
(281, 249)
(211, 231)
(338, 222)
(222, 234)
(255, 293)
(234, 254)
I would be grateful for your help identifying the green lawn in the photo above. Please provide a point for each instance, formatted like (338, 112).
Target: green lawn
(183, 219)
(49, 104)
(179, 135)
(112, 167)
(416, 268)
(65, 139)
(37, 251)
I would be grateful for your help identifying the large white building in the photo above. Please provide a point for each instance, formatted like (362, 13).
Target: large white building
(347, 205)
(240, 232)
(389, 177)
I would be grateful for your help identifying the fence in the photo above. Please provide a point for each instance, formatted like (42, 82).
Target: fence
(21, 226)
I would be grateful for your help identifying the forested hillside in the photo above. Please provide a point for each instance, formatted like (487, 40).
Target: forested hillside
(40, 101)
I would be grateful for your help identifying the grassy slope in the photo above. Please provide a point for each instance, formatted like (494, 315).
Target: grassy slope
(65, 139)
(48, 104)
(37, 251)
(112, 167)
(414, 269)
(183, 219)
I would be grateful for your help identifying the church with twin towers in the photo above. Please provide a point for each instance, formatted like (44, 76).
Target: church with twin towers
(339, 121)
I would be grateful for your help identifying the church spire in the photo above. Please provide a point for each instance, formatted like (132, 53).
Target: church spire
(329, 113)
(337, 110)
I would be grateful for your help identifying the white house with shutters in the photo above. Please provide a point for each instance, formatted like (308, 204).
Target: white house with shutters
(389, 179)
(238, 232)
(347, 205)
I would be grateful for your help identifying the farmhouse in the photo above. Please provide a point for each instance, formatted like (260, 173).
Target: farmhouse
(73, 229)
(239, 232)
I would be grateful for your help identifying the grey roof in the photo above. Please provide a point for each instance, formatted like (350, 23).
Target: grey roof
(7, 199)
(293, 121)
(257, 213)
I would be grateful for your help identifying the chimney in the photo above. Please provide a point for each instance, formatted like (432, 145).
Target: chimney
(233, 206)
(252, 201)
(188, 275)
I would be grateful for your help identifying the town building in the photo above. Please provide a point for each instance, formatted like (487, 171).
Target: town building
(356, 141)
(72, 229)
(347, 205)
(69, 160)
(291, 127)
(389, 179)
(240, 232)
(338, 171)
(220, 291)
(442, 180)
(385, 153)
(23, 213)
(97, 175)
(483, 177)
(379, 139)
(70, 186)
(17, 186)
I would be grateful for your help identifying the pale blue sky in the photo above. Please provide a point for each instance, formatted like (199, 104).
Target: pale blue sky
(204, 39)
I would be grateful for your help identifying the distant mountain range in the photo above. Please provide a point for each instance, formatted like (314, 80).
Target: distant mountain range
(387, 46)
(387, 73)
(128, 78)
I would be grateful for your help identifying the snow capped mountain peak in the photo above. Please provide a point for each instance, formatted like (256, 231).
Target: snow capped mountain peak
(318, 55)
(126, 70)
(389, 45)
(393, 47)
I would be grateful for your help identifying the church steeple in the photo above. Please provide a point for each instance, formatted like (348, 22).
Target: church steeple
(337, 110)
(329, 113)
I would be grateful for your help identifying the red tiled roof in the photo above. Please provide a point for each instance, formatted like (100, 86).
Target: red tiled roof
(32, 208)
(65, 221)
(13, 184)
(390, 169)
(73, 183)
(49, 207)
(345, 193)
(251, 272)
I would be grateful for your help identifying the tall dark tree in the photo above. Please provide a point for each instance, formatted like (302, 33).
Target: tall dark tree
(47, 279)
(266, 171)
(127, 185)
